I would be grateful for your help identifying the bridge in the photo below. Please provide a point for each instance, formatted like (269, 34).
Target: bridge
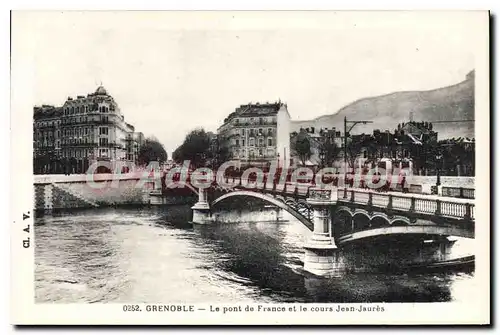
(344, 220)
(350, 228)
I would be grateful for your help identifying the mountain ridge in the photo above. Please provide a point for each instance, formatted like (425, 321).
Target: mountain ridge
(449, 103)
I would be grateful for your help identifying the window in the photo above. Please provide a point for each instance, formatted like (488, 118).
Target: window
(77, 110)
(269, 142)
(261, 120)
(237, 142)
(86, 131)
(103, 130)
(103, 142)
(269, 131)
(252, 142)
(243, 132)
(242, 143)
(261, 141)
(251, 132)
(260, 131)
(260, 152)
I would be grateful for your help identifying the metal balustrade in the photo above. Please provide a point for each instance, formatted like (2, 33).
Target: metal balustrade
(401, 203)
(430, 205)
(425, 206)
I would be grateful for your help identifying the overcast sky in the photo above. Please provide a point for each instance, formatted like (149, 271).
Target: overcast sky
(170, 74)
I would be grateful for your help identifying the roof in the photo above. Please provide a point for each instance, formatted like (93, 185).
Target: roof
(256, 110)
(46, 112)
(101, 91)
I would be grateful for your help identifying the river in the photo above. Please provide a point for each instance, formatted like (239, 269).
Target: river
(154, 255)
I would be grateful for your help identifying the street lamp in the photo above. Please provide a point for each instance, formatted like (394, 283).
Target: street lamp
(322, 157)
(438, 172)
(346, 132)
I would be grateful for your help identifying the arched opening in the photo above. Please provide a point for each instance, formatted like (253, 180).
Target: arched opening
(379, 222)
(343, 222)
(269, 200)
(361, 222)
(399, 223)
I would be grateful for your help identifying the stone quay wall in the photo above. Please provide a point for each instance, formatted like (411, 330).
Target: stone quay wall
(74, 191)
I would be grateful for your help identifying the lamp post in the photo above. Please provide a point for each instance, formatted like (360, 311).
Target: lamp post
(322, 157)
(439, 159)
(346, 133)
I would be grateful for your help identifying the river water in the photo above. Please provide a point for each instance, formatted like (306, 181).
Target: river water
(153, 255)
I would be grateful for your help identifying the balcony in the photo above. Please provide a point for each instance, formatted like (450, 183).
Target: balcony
(255, 123)
(79, 144)
(83, 122)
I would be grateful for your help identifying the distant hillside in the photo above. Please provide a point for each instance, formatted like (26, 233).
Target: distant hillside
(454, 102)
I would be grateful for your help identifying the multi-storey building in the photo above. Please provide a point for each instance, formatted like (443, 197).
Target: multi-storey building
(256, 134)
(133, 142)
(46, 138)
(84, 130)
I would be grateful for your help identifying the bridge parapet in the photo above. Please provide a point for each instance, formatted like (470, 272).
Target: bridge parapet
(322, 196)
(412, 203)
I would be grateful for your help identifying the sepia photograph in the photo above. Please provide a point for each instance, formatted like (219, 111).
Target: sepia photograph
(190, 164)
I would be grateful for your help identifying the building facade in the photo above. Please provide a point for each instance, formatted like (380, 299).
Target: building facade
(86, 129)
(257, 134)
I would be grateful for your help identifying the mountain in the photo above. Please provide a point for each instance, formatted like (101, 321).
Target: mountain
(449, 103)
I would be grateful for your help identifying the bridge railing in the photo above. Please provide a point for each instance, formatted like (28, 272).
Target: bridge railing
(416, 203)
(458, 192)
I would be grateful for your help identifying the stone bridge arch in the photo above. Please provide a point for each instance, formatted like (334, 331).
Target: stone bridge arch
(280, 202)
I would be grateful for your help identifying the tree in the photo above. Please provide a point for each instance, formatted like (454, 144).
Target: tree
(354, 148)
(195, 148)
(303, 147)
(328, 151)
(152, 151)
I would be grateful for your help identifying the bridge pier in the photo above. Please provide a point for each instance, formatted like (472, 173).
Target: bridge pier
(322, 257)
(201, 210)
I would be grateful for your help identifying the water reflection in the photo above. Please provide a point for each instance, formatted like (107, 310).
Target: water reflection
(156, 255)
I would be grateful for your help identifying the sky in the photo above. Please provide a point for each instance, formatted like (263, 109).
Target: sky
(173, 72)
